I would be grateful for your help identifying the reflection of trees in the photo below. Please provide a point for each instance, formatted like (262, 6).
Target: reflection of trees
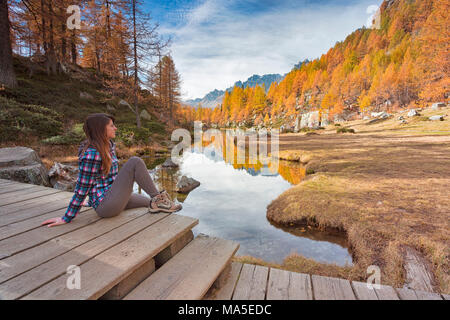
(291, 172)
(167, 179)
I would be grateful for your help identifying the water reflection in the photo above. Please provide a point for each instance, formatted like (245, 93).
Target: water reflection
(231, 203)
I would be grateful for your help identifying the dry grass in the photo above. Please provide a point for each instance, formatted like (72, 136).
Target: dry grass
(298, 263)
(385, 187)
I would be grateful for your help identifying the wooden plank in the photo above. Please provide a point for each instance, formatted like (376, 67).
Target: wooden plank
(424, 295)
(121, 289)
(50, 270)
(34, 237)
(286, 285)
(8, 182)
(326, 288)
(406, 294)
(418, 273)
(226, 291)
(19, 196)
(31, 188)
(386, 293)
(190, 273)
(85, 231)
(34, 210)
(363, 292)
(33, 203)
(109, 268)
(252, 283)
(15, 187)
(33, 223)
(173, 249)
(277, 288)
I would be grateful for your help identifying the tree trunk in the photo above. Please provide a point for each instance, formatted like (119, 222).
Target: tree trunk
(136, 78)
(73, 48)
(7, 75)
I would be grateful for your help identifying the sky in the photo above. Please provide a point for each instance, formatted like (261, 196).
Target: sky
(218, 42)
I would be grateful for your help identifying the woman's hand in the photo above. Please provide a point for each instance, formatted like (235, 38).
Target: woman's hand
(53, 222)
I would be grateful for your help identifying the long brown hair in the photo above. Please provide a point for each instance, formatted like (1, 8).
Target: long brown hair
(95, 129)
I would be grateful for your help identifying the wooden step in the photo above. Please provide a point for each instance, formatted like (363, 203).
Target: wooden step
(190, 273)
(102, 271)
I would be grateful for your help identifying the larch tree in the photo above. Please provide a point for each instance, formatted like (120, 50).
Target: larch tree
(146, 43)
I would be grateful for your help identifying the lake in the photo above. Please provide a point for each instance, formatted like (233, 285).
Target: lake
(231, 203)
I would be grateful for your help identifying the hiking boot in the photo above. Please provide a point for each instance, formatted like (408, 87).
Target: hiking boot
(162, 203)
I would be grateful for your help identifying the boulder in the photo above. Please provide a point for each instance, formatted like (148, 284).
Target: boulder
(436, 118)
(297, 123)
(126, 104)
(376, 114)
(63, 177)
(186, 185)
(324, 119)
(145, 115)
(413, 113)
(304, 120)
(437, 105)
(313, 121)
(24, 165)
(169, 164)
(86, 96)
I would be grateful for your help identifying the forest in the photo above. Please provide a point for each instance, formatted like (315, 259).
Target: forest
(400, 63)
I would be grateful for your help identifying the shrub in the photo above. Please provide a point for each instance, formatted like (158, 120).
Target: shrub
(74, 136)
(344, 130)
(18, 119)
(130, 134)
(154, 127)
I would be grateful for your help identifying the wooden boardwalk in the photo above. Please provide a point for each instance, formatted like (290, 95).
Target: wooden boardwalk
(253, 282)
(137, 255)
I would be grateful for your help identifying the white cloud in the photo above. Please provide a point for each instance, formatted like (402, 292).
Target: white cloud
(217, 46)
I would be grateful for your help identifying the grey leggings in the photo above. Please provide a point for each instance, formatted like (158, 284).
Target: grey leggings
(120, 195)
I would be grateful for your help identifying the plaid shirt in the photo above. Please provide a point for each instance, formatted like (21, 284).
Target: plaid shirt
(91, 181)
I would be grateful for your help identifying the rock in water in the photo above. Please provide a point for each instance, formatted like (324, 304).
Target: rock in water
(169, 164)
(186, 185)
(24, 165)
